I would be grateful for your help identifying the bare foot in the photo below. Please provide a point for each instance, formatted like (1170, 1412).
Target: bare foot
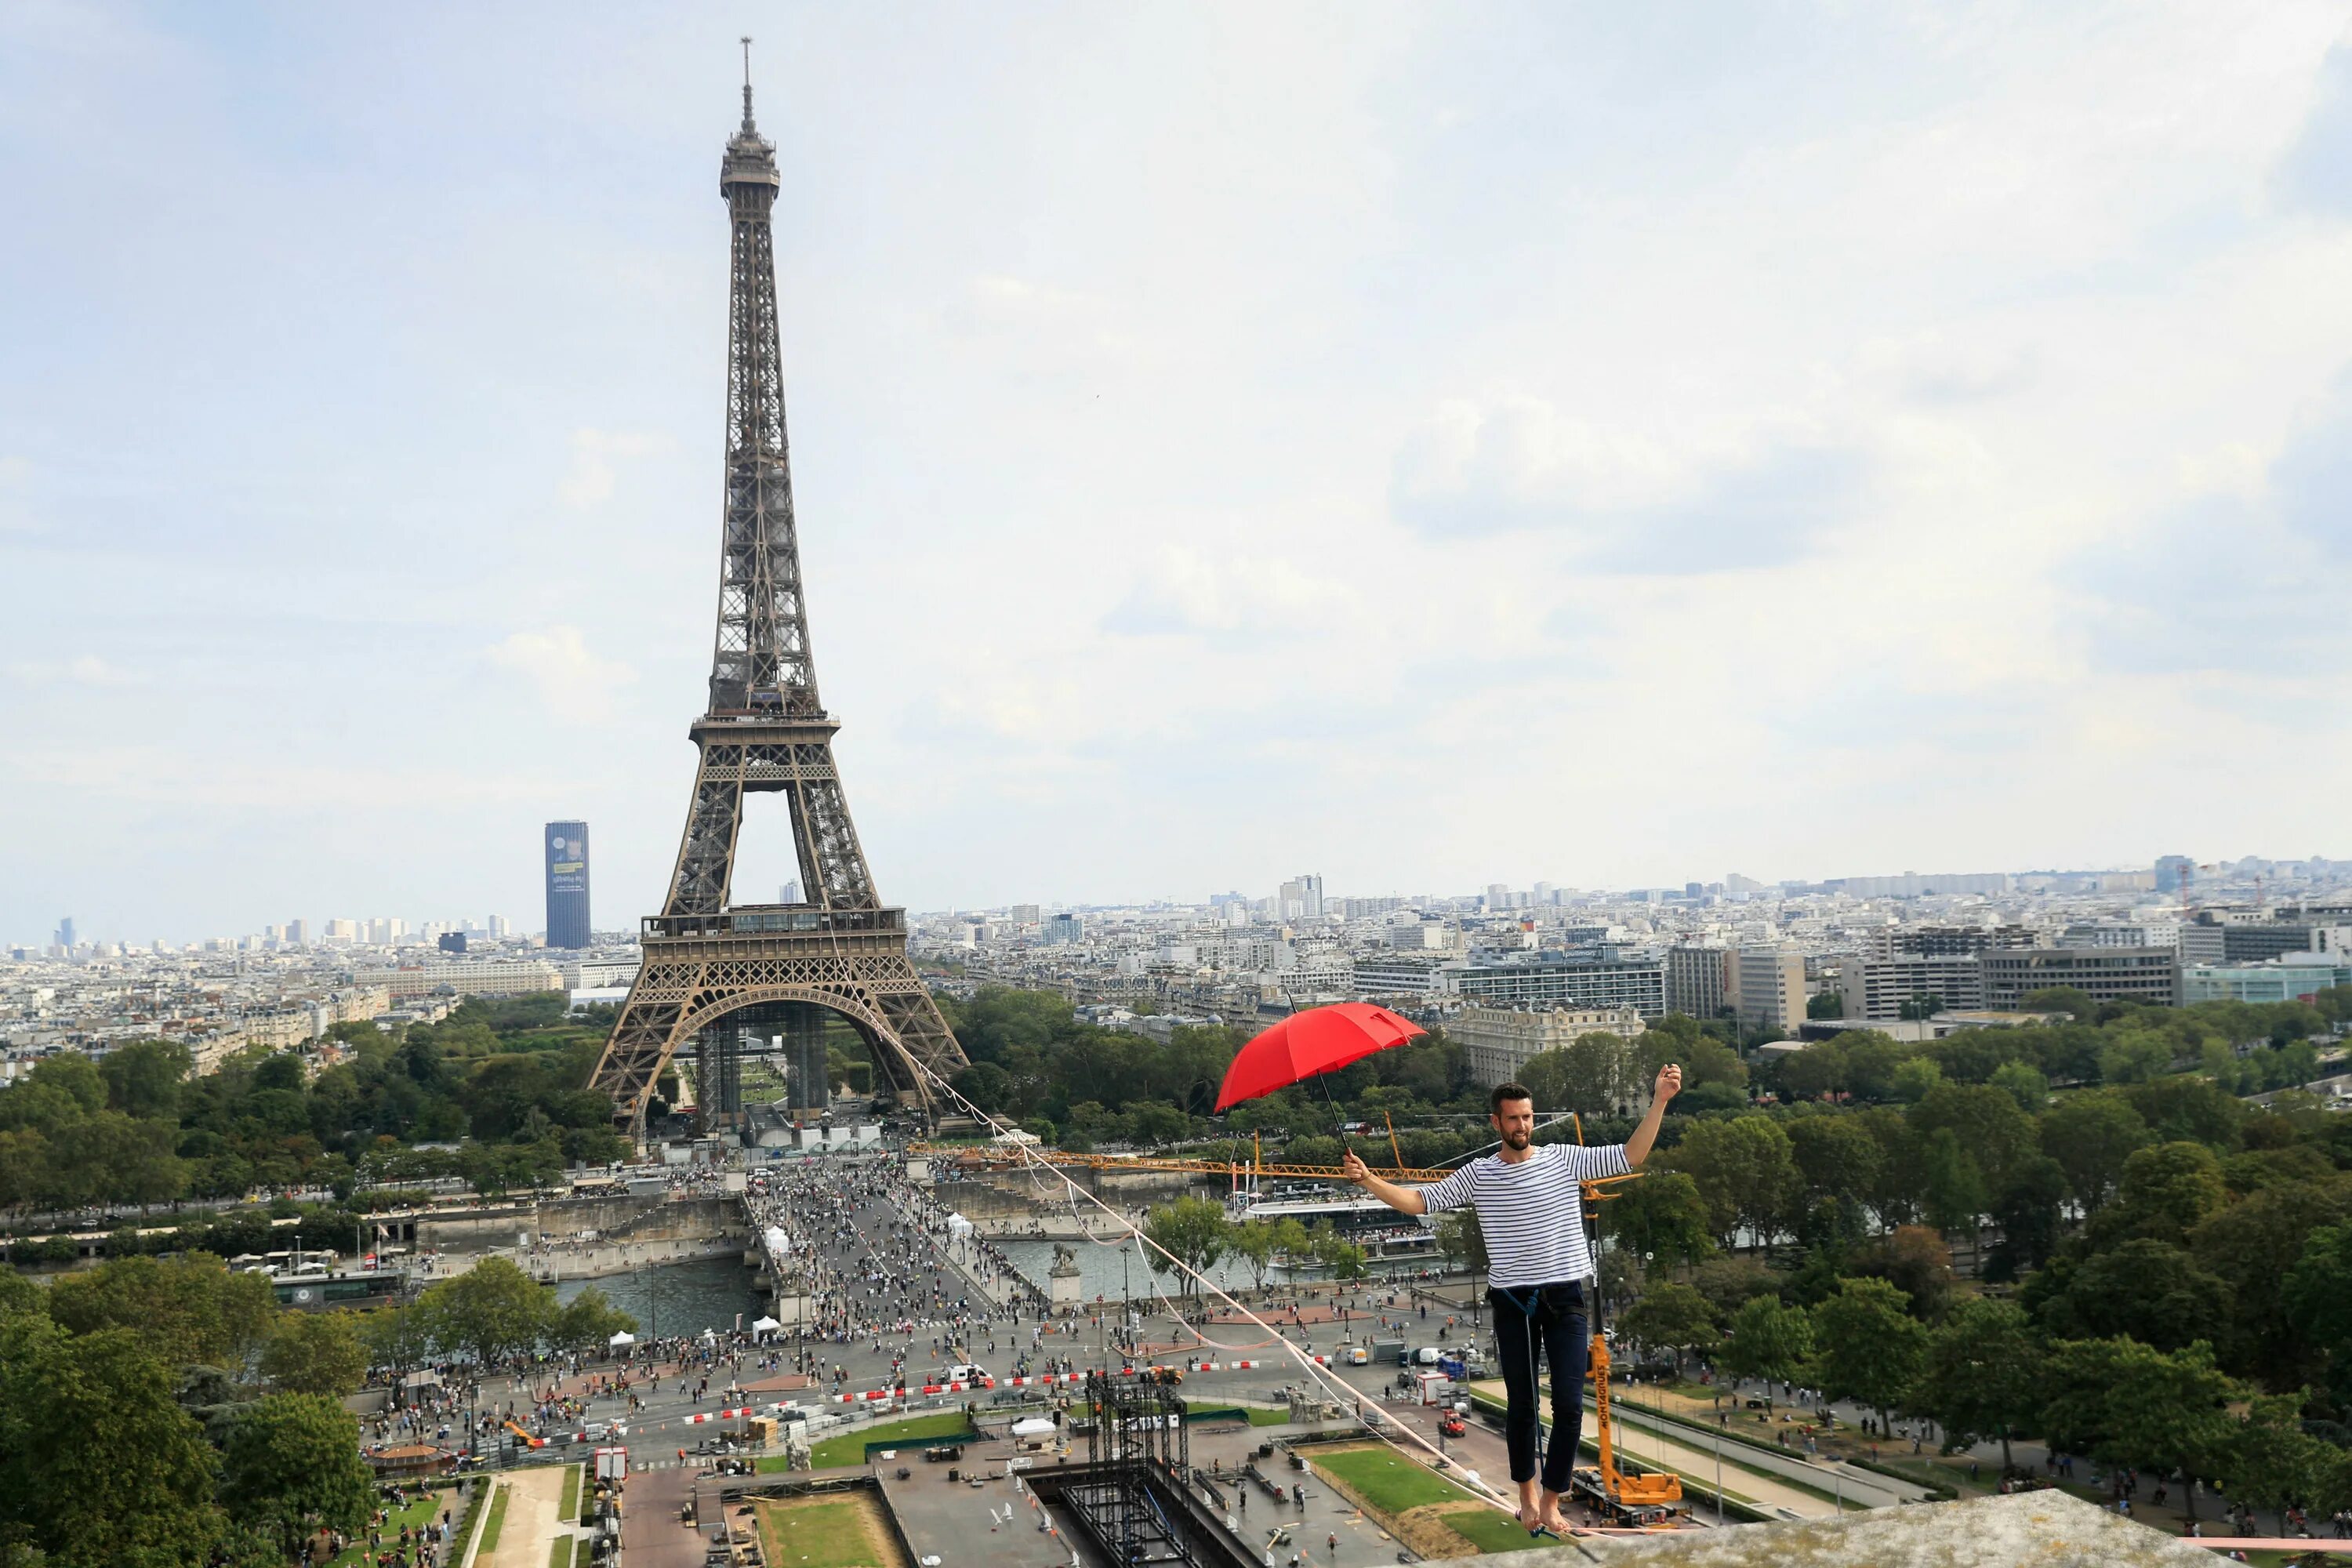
(1553, 1518)
(1530, 1515)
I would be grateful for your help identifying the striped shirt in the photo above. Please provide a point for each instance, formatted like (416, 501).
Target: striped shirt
(1530, 1211)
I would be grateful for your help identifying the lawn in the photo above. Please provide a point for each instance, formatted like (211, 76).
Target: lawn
(816, 1535)
(498, 1517)
(849, 1448)
(1490, 1529)
(1387, 1481)
(568, 1508)
(426, 1510)
(559, 1552)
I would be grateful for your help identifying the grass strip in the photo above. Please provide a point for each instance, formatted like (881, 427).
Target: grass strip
(498, 1517)
(568, 1508)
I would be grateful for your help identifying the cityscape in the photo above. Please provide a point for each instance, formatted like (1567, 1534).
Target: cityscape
(1232, 443)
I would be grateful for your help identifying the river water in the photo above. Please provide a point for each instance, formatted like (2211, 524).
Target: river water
(673, 1298)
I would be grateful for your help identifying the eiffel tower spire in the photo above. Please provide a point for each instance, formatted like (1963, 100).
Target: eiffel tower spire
(842, 951)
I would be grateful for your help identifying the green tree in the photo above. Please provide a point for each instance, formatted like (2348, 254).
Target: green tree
(142, 1078)
(314, 1352)
(1956, 1191)
(2266, 1460)
(2169, 1190)
(1915, 1077)
(1825, 1004)
(2316, 1294)
(1661, 1218)
(1983, 1375)
(1870, 1348)
(491, 1313)
(1669, 1317)
(292, 1468)
(2244, 1246)
(2022, 1082)
(1836, 1155)
(1746, 1173)
(2150, 1290)
(1768, 1340)
(100, 1467)
(399, 1337)
(1253, 1242)
(1461, 1241)
(189, 1309)
(2059, 999)
(2128, 1402)
(1916, 1261)
(1592, 1074)
(588, 1321)
(2028, 1211)
(1343, 1258)
(2091, 1135)
(1194, 1230)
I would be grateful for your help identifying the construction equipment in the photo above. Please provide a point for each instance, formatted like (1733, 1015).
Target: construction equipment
(1634, 1498)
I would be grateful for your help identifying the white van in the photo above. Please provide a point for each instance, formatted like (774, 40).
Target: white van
(965, 1371)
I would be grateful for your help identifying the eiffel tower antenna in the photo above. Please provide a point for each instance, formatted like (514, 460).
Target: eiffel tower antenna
(716, 972)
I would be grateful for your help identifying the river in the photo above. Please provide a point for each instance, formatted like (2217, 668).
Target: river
(673, 1298)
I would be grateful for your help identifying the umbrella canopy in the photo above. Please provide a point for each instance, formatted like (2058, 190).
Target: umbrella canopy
(1034, 1426)
(623, 1338)
(1321, 1039)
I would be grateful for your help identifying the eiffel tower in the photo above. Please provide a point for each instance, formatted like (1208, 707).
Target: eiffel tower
(842, 950)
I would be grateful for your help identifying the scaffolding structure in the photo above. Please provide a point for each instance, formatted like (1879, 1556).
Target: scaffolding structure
(1139, 1435)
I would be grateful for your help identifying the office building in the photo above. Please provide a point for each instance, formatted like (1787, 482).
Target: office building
(64, 933)
(2295, 977)
(1768, 989)
(483, 978)
(1698, 980)
(2238, 936)
(1549, 979)
(298, 933)
(2172, 871)
(2149, 975)
(1300, 898)
(1499, 1041)
(567, 885)
(1879, 989)
(1062, 929)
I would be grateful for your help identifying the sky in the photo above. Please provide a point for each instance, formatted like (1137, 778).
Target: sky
(1429, 446)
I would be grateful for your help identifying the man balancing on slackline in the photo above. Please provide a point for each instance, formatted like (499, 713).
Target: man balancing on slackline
(1531, 1212)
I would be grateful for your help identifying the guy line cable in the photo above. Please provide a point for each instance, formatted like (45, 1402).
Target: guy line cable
(1345, 1392)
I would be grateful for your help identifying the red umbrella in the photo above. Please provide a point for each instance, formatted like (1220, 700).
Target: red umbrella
(1321, 1039)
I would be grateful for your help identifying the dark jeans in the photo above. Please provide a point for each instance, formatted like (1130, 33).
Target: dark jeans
(1556, 1324)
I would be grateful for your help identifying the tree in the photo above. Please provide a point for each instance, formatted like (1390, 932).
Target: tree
(1984, 1121)
(1916, 1261)
(1253, 1242)
(1983, 1374)
(1194, 1230)
(2128, 1402)
(2027, 1210)
(2253, 1247)
(2267, 1460)
(2091, 1135)
(1746, 1173)
(1825, 1004)
(1869, 1346)
(1955, 1192)
(2169, 1190)
(314, 1352)
(588, 1322)
(1836, 1156)
(189, 1309)
(1660, 1219)
(2022, 1082)
(490, 1312)
(2059, 999)
(398, 1337)
(2148, 1289)
(1592, 1074)
(100, 1467)
(1460, 1240)
(1915, 1078)
(292, 1468)
(1669, 1317)
(1343, 1258)
(1768, 1340)
(2318, 1291)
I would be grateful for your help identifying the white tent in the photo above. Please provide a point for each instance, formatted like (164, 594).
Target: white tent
(1034, 1426)
(623, 1338)
(959, 1226)
(761, 1325)
(778, 1242)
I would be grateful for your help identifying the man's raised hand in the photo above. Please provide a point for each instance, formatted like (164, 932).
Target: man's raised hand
(1670, 1080)
(1352, 1167)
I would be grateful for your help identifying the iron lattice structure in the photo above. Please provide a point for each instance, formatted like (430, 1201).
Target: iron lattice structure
(766, 730)
(1138, 1433)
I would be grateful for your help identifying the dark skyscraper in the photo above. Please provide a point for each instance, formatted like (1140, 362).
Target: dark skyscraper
(567, 884)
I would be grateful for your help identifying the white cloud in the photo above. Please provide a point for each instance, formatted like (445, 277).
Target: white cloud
(1187, 590)
(557, 659)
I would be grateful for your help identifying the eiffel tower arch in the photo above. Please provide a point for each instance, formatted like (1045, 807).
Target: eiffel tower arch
(766, 732)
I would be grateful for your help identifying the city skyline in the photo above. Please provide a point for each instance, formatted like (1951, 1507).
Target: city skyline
(1376, 448)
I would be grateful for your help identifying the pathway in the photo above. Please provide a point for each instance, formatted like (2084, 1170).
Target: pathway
(527, 1534)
